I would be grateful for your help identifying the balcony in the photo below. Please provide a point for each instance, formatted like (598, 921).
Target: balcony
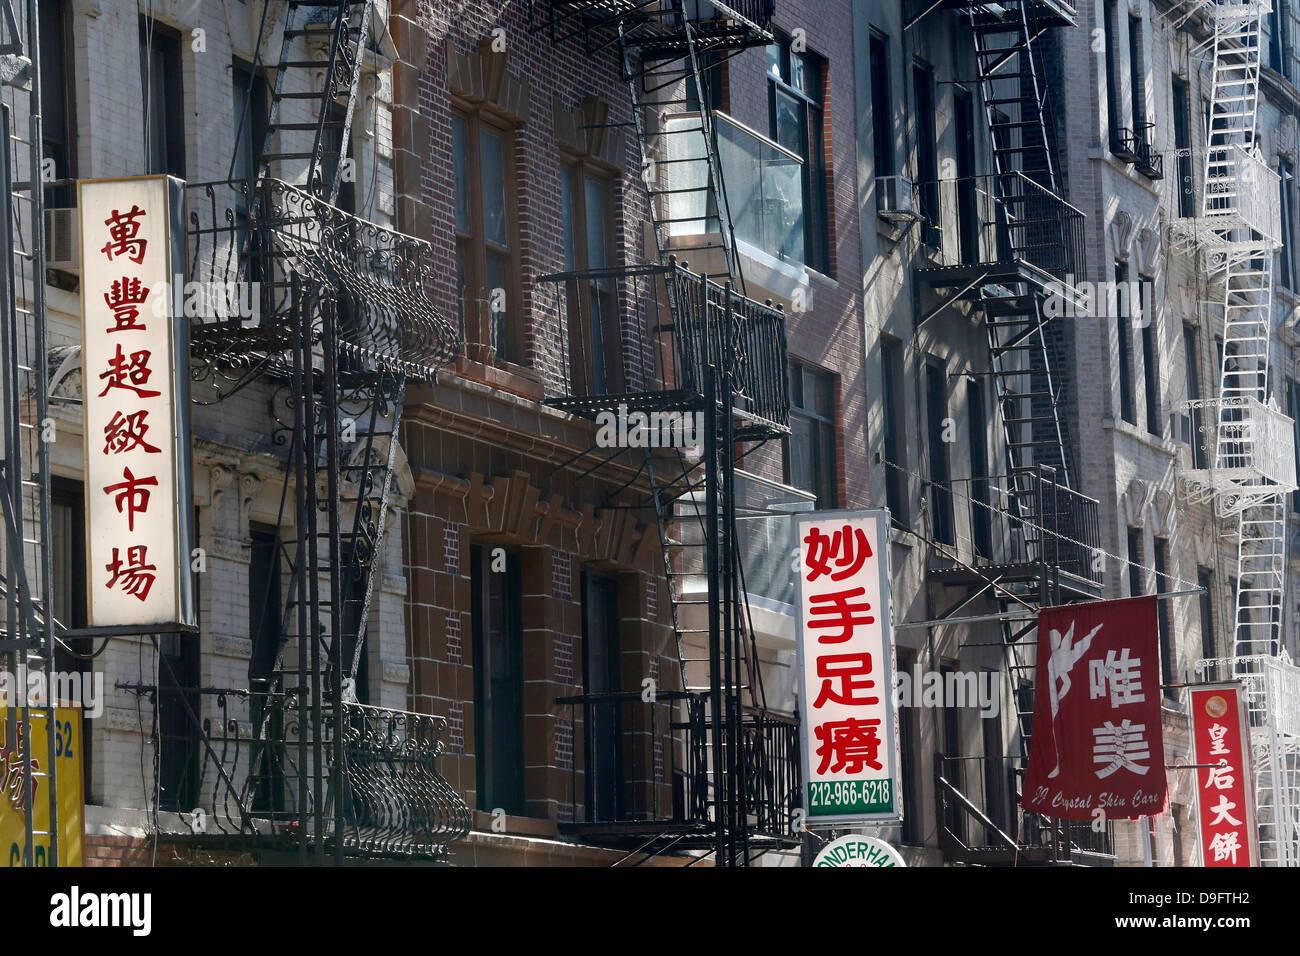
(655, 25)
(266, 769)
(1241, 192)
(1250, 448)
(1137, 147)
(646, 778)
(1001, 227)
(1011, 529)
(1038, 13)
(765, 201)
(981, 822)
(279, 252)
(674, 326)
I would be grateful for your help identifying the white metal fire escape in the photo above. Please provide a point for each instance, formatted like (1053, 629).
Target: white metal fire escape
(1251, 468)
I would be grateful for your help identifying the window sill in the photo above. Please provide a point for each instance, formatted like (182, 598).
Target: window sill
(507, 376)
(516, 825)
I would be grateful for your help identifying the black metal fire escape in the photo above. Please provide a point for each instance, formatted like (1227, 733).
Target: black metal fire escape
(719, 355)
(1027, 243)
(343, 321)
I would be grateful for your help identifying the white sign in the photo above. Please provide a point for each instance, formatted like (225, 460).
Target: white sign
(846, 668)
(854, 850)
(134, 359)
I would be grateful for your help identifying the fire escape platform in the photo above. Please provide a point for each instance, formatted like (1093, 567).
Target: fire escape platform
(984, 274)
(1039, 13)
(1019, 572)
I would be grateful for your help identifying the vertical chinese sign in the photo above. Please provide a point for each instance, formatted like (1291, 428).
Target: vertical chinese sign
(139, 520)
(1224, 786)
(849, 735)
(1097, 741)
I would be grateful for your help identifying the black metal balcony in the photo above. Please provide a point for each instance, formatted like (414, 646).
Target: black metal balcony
(267, 777)
(1137, 146)
(647, 338)
(1021, 527)
(1039, 13)
(1006, 221)
(646, 778)
(261, 252)
(656, 27)
(981, 823)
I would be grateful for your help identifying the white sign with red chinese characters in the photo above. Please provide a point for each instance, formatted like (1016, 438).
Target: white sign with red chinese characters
(134, 357)
(848, 730)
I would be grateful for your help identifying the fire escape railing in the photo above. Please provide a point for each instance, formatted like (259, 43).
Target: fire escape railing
(261, 767)
(252, 239)
(1001, 218)
(648, 762)
(679, 325)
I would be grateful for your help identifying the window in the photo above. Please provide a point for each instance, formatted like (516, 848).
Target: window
(602, 674)
(954, 766)
(927, 153)
(1151, 375)
(355, 646)
(1286, 255)
(57, 114)
(1137, 76)
(1205, 581)
(995, 776)
(1136, 586)
(796, 98)
(495, 596)
(251, 110)
(894, 435)
(1182, 106)
(68, 557)
(160, 82)
(1161, 556)
(938, 490)
(1127, 409)
(1191, 362)
(264, 591)
(882, 109)
(1110, 22)
(1293, 410)
(1279, 46)
(487, 265)
(810, 458)
(594, 341)
(907, 751)
(968, 221)
(980, 513)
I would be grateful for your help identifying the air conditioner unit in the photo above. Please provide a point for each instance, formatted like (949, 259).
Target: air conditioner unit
(62, 241)
(894, 199)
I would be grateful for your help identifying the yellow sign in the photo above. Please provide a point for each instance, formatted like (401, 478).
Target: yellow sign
(68, 742)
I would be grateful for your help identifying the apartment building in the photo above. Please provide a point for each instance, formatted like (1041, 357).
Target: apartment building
(572, 210)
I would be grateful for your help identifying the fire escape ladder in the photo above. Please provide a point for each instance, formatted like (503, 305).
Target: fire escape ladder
(28, 634)
(680, 168)
(326, 75)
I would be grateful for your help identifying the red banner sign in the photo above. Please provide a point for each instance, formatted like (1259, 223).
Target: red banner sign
(1223, 776)
(1097, 741)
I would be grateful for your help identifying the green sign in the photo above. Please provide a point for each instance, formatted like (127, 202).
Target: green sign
(834, 798)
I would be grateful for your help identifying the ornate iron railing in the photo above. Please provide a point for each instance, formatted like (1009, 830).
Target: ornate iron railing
(264, 770)
(258, 249)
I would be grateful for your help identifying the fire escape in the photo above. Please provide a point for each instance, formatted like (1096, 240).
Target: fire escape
(1014, 241)
(292, 762)
(28, 632)
(705, 766)
(1251, 465)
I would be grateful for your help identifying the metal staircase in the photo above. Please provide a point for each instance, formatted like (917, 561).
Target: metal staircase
(1252, 468)
(325, 75)
(28, 633)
